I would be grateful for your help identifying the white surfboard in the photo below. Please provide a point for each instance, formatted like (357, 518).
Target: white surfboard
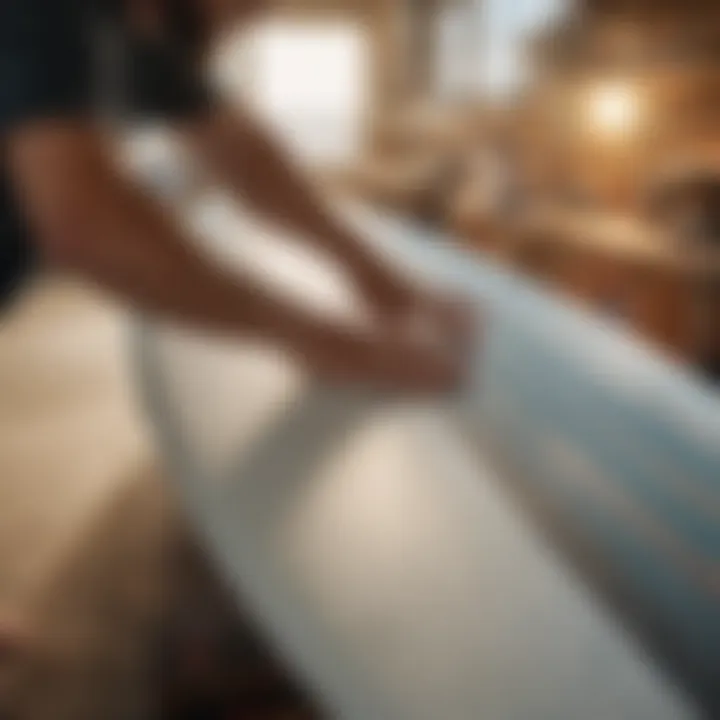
(377, 551)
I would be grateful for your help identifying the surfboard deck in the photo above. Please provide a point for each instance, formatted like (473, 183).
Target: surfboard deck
(378, 551)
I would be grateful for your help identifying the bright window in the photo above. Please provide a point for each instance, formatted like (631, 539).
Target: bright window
(309, 80)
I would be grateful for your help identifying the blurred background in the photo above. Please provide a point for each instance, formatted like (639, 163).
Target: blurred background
(576, 143)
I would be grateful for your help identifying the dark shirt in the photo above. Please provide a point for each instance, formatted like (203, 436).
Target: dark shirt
(54, 63)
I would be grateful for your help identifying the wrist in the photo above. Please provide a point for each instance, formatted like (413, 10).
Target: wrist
(378, 280)
(390, 292)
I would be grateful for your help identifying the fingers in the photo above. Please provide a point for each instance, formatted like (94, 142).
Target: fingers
(406, 364)
(414, 370)
(427, 350)
(446, 326)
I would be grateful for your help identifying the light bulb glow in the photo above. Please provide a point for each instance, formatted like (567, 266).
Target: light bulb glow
(614, 109)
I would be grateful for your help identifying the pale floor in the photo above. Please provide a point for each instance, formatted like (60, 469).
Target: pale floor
(82, 508)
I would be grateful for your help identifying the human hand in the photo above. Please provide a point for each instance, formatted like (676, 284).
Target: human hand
(403, 306)
(403, 362)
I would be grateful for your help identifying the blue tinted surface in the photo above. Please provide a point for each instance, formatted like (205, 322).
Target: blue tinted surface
(623, 444)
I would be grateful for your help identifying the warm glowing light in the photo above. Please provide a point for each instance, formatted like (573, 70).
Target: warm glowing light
(614, 109)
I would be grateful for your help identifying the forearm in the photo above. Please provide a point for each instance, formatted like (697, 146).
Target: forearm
(129, 246)
(104, 228)
(248, 160)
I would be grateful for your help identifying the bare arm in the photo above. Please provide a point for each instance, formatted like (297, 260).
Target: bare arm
(86, 217)
(90, 219)
(246, 158)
